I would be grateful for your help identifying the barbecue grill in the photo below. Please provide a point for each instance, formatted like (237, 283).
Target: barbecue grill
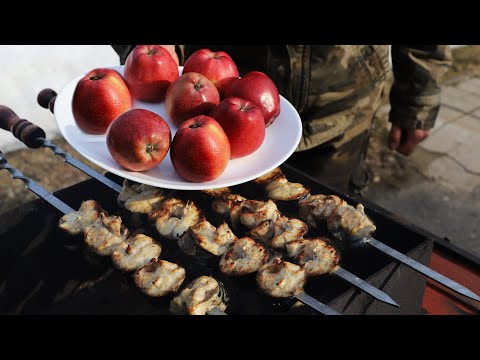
(45, 271)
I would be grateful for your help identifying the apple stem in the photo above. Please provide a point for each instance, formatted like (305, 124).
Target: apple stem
(95, 77)
(197, 86)
(194, 126)
(150, 52)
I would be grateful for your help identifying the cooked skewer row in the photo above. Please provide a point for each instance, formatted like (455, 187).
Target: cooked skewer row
(245, 256)
(268, 225)
(348, 223)
(154, 277)
(107, 236)
(184, 223)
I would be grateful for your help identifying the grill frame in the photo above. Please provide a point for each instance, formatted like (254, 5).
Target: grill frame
(24, 290)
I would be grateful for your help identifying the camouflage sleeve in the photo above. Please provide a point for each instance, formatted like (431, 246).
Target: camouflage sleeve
(124, 50)
(415, 93)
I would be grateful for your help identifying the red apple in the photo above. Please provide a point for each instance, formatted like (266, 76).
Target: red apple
(243, 124)
(139, 139)
(218, 67)
(171, 50)
(200, 149)
(99, 98)
(149, 70)
(190, 95)
(259, 89)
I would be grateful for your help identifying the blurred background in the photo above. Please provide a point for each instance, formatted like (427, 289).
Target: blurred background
(437, 187)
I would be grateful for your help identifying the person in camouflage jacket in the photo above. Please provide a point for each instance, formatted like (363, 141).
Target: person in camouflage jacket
(337, 89)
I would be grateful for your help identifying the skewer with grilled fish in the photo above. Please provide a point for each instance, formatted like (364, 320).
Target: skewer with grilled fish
(278, 231)
(246, 257)
(155, 278)
(342, 220)
(199, 297)
(102, 233)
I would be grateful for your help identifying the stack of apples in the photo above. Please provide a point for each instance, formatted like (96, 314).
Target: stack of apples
(218, 115)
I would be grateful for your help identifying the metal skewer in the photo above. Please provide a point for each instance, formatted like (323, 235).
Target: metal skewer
(432, 274)
(34, 137)
(53, 200)
(364, 286)
(315, 304)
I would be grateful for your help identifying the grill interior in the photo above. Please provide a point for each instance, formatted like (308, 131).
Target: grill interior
(45, 271)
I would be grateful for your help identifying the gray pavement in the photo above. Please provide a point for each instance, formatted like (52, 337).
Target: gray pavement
(442, 193)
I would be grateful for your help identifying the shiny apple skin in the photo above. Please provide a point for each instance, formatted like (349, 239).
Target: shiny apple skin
(200, 149)
(192, 94)
(218, 67)
(149, 70)
(258, 88)
(139, 139)
(243, 124)
(98, 99)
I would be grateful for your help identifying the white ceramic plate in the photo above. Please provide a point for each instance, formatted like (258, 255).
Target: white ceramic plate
(281, 140)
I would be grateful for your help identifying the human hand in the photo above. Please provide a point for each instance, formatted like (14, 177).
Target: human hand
(171, 50)
(405, 141)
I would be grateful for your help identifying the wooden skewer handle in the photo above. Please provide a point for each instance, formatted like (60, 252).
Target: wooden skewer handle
(22, 129)
(46, 99)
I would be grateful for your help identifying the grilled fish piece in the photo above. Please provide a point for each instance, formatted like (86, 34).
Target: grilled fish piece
(214, 240)
(159, 278)
(75, 222)
(317, 255)
(229, 205)
(105, 235)
(263, 232)
(199, 297)
(279, 188)
(349, 222)
(281, 279)
(268, 177)
(280, 232)
(286, 230)
(318, 208)
(145, 202)
(136, 252)
(253, 212)
(244, 257)
(174, 218)
(128, 190)
(140, 198)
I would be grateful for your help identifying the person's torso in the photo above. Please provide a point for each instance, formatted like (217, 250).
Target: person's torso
(321, 81)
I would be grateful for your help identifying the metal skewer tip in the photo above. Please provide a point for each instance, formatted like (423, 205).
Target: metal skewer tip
(365, 286)
(432, 274)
